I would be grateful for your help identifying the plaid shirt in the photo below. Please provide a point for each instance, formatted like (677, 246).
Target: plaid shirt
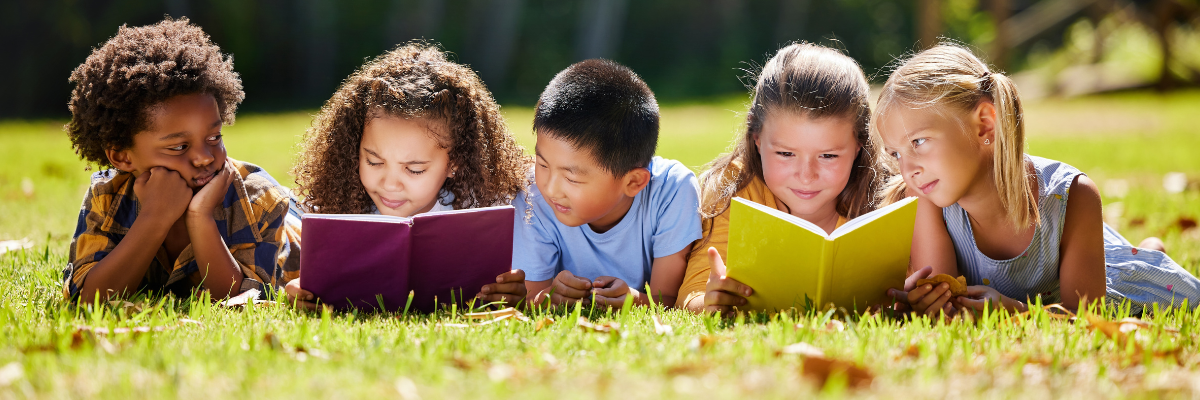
(258, 220)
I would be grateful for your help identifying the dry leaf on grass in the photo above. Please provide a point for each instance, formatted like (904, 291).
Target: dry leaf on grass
(820, 369)
(661, 328)
(1124, 331)
(543, 324)
(802, 349)
(606, 327)
(1185, 223)
(13, 245)
(704, 341)
(958, 286)
(245, 298)
(501, 314)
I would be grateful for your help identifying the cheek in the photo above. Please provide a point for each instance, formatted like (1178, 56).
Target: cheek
(776, 172)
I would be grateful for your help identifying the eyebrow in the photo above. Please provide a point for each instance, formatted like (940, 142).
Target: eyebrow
(404, 162)
(181, 134)
(575, 169)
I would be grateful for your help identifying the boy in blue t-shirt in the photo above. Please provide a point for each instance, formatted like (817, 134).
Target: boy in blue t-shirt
(604, 217)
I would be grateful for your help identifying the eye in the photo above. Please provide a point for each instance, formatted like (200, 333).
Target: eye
(918, 142)
(894, 155)
(785, 153)
(373, 164)
(573, 181)
(215, 138)
(410, 170)
(180, 147)
(828, 156)
(540, 165)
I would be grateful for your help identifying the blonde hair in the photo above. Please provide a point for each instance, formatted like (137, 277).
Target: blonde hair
(949, 76)
(810, 80)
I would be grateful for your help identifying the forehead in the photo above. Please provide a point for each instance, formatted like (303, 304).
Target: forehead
(564, 154)
(175, 113)
(796, 129)
(391, 135)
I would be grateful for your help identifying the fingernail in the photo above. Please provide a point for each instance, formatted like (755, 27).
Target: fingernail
(485, 289)
(746, 291)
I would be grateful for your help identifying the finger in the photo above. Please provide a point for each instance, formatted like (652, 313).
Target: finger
(561, 289)
(515, 275)
(900, 296)
(933, 295)
(723, 299)
(922, 273)
(726, 284)
(576, 283)
(612, 292)
(504, 288)
(714, 260)
(499, 298)
(916, 294)
(972, 303)
(609, 301)
(604, 282)
(936, 307)
(723, 310)
(977, 291)
(560, 299)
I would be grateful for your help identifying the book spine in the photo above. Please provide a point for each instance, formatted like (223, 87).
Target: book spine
(825, 274)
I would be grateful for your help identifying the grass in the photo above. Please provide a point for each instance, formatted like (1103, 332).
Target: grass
(278, 352)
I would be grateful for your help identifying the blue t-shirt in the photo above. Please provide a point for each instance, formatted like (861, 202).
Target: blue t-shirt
(663, 220)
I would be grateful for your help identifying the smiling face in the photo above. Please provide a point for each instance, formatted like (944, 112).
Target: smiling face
(578, 190)
(402, 165)
(184, 136)
(807, 162)
(939, 157)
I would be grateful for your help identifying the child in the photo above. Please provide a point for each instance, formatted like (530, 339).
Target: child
(411, 132)
(1016, 226)
(174, 212)
(806, 151)
(605, 216)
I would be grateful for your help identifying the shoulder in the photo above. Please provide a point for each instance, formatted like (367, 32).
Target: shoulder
(260, 187)
(1055, 177)
(105, 186)
(669, 171)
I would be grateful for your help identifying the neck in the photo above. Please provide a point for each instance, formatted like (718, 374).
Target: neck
(608, 221)
(982, 200)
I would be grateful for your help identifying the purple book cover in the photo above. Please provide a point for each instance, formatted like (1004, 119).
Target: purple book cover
(353, 260)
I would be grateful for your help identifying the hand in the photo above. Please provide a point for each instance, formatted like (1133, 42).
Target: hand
(162, 193)
(299, 297)
(910, 283)
(213, 193)
(568, 288)
(611, 292)
(509, 289)
(722, 293)
(980, 297)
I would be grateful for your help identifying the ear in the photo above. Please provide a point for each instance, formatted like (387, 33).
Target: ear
(636, 180)
(119, 159)
(984, 120)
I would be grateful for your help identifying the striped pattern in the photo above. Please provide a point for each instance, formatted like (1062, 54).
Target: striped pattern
(1143, 277)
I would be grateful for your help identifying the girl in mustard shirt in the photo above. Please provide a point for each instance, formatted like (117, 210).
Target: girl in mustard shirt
(806, 151)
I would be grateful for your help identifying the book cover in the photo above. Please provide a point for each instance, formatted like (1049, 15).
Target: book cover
(359, 261)
(789, 261)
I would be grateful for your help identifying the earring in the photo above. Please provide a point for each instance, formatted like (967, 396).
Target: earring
(987, 141)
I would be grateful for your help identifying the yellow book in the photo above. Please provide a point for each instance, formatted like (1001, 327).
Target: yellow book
(789, 261)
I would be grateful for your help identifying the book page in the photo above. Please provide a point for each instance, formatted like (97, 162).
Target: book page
(780, 259)
(868, 217)
(801, 222)
(869, 260)
(359, 217)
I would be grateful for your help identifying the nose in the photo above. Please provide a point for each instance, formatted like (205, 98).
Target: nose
(202, 156)
(807, 171)
(391, 179)
(551, 187)
(909, 167)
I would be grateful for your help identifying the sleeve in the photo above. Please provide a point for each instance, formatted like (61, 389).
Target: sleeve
(695, 278)
(534, 249)
(679, 213)
(270, 263)
(90, 245)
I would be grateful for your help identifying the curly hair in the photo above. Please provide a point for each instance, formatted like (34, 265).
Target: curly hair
(137, 69)
(415, 80)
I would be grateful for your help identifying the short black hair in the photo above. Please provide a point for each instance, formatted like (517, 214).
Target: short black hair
(603, 107)
(139, 68)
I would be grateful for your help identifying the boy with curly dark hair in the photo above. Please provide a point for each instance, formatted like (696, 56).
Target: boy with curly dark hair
(173, 212)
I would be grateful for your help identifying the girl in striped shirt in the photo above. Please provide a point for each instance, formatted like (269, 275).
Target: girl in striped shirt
(1018, 227)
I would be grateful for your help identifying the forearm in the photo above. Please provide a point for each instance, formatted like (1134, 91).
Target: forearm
(123, 269)
(696, 304)
(222, 275)
(537, 291)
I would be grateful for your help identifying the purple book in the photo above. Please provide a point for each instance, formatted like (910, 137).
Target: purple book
(358, 260)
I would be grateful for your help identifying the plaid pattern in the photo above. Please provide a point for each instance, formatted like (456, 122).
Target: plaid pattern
(258, 220)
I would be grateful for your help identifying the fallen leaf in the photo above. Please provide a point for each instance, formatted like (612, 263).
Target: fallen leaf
(272, 341)
(704, 341)
(13, 245)
(1185, 223)
(543, 324)
(1136, 222)
(245, 298)
(821, 368)
(504, 313)
(661, 328)
(801, 348)
(834, 326)
(913, 351)
(606, 327)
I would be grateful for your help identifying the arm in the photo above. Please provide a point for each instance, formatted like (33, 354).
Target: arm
(932, 254)
(1081, 266)
(564, 288)
(665, 277)
(222, 274)
(164, 197)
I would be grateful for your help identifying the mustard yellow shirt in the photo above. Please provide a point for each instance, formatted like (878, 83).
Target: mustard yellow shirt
(716, 230)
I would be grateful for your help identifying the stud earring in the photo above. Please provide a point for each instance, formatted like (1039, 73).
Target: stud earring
(987, 141)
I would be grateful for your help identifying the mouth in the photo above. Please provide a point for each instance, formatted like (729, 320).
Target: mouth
(928, 187)
(558, 207)
(203, 179)
(805, 194)
(392, 204)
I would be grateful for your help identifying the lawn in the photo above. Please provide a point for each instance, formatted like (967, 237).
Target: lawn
(1127, 143)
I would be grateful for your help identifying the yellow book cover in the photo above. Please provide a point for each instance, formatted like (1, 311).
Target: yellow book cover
(789, 261)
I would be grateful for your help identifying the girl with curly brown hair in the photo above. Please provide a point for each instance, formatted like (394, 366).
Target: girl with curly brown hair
(411, 132)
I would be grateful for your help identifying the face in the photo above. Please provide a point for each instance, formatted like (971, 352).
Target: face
(184, 136)
(807, 162)
(579, 191)
(402, 164)
(942, 158)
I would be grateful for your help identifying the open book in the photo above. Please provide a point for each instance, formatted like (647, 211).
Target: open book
(789, 261)
(360, 260)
